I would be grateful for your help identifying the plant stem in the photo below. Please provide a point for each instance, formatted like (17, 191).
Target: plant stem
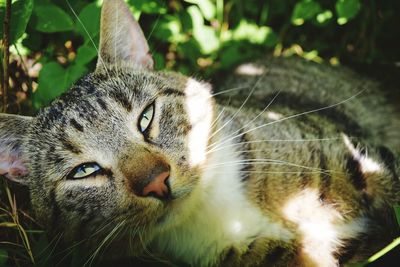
(385, 250)
(6, 58)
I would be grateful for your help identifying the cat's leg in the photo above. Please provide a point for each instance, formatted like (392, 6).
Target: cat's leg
(266, 252)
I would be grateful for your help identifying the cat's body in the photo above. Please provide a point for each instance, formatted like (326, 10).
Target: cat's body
(290, 187)
(139, 162)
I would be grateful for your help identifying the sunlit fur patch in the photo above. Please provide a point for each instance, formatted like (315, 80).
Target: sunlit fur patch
(200, 111)
(323, 228)
(367, 165)
(274, 115)
(249, 69)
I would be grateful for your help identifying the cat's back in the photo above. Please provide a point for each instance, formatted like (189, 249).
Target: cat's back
(357, 105)
(305, 127)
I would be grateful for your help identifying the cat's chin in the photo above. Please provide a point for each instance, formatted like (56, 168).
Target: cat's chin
(175, 212)
(170, 214)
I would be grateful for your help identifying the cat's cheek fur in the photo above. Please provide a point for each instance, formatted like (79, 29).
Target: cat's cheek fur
(199, 107)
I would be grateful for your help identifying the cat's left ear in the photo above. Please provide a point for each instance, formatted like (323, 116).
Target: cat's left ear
(121, 38)
(12, 131)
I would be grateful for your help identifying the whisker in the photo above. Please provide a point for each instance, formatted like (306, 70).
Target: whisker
(216, 119)
(153, 29)
(55, 239)
(131, 234)
(152, 256)
(238, 110)
(229, 90)
(115, 39)
(274, 140)
(109, 236)
(90, 37)
(250, 150)
(52, 250)
(68, 251)
(111, 239)
(291, 117)
(275, 172)
(265, 161)
(258, 115)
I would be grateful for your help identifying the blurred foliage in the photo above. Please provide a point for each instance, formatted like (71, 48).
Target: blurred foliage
(54, 44)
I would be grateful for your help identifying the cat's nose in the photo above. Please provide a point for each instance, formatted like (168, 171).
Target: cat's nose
(157, 186)
(152, 180)
(146, 173)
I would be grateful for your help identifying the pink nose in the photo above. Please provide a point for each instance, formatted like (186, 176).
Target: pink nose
(158, 186)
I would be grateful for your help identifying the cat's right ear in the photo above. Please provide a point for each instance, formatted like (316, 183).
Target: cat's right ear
(121, 38)
(12, 130)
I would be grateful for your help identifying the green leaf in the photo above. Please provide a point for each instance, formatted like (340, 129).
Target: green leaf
(51, 18)
(231, 56)
(197, 18)
(205, 36)
(324, 16)
(305, 10)
(88, 24)
(3, 256)
(169, 29)
(54, 80)
(85, 54)
(21, 11)
(254, 34)
(191, 47)
(207, 39)
(346, 10)
(148, 6)
(236, 52)
(159, 60)
(207, 7)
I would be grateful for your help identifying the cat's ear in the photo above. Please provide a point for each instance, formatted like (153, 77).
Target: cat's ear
(12, 130)
(121, 38)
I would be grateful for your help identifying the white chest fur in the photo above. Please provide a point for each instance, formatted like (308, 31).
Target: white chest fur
(221, 216)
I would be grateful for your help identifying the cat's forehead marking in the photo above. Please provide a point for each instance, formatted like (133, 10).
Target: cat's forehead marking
(76, 125)
(130, 88)
(69, 144)
(170, 91)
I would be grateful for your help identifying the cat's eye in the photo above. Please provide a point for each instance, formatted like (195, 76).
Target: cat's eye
(146, 118)
(84, 170)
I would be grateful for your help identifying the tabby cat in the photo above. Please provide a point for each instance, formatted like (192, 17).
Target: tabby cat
(141, 162)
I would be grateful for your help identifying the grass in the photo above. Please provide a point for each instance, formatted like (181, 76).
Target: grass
(16, 230)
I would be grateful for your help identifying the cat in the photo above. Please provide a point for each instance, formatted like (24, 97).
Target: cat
(143, 162)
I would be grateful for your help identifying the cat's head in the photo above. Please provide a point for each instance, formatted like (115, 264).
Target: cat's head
(121, 150)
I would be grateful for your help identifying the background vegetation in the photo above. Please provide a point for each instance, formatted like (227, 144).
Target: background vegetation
(53, 43)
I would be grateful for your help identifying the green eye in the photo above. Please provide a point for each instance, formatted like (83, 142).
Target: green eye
(85, 170)
(146, 118)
